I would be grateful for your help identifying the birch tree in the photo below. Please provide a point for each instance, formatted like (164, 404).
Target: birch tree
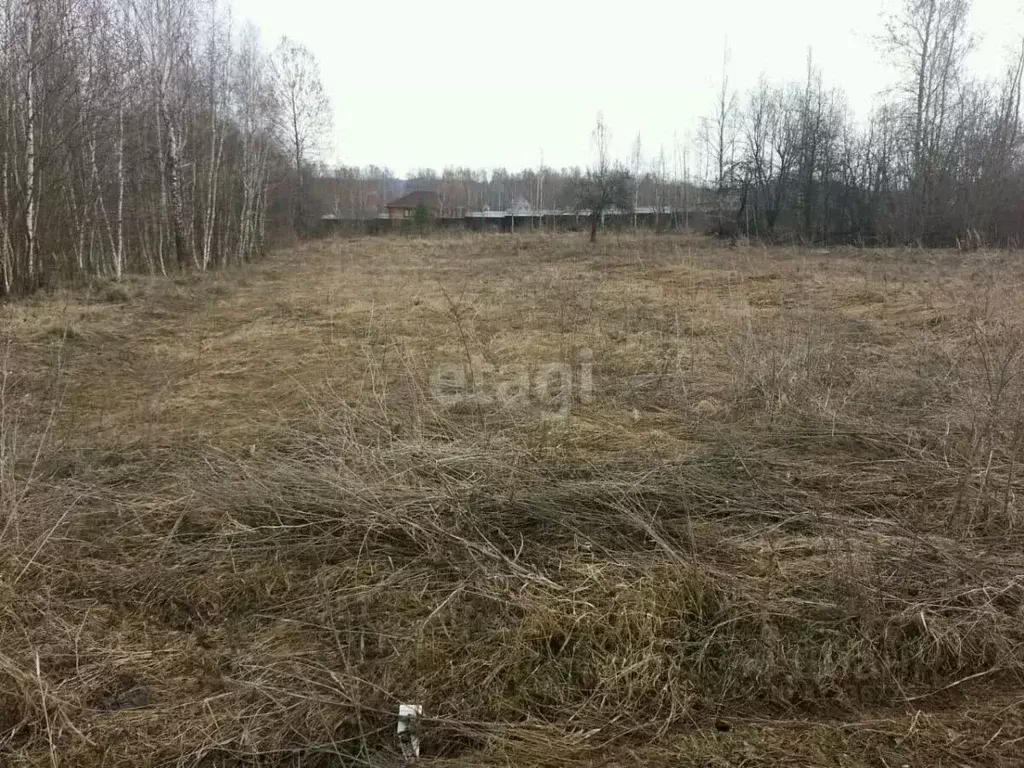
(304, 113)
(129, 132)
(162, 26)
(636, 166)
(930, 42)
(254, 112)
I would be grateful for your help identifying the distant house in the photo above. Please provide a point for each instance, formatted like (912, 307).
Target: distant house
(403, 207)
(521, 207)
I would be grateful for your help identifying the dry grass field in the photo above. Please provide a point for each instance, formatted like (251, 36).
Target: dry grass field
(772, 520)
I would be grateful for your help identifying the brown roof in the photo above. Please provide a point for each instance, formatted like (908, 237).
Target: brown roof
(414, 199)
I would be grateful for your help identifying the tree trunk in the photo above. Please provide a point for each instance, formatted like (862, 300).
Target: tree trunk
(181, 243)
(119, 250)
(918, 183)
(161, 218)
(100, 204)
(6, 245)
(30, 161)
(298, 171)
(216, 151)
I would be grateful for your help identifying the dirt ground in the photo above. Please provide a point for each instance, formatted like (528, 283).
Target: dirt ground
(656, 501)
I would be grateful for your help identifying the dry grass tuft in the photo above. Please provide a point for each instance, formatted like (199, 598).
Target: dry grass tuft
(238, 528)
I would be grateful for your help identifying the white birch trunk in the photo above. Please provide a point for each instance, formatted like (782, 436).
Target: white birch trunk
(119, 248)
(161, 173)
(6, 246)
(210, 215)
(97, 186)
(177, 215)
(30, 157)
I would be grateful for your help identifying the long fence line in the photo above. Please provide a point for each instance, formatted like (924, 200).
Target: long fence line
(517, 221)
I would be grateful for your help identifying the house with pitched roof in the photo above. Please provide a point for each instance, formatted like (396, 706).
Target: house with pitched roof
(403, 207)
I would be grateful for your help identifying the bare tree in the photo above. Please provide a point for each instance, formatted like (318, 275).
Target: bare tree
(539, 204)
(305, 111)
(636, 166)
(659, 172)
(127, 132)
(718, 137)
(254, 114)
(930, 42)
(218, 64)
(719, 133)
(30, 145)
(605, 185)
(163, 27)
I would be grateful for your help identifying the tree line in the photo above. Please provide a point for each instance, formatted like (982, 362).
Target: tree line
(145, 136)
(939, 160)
(150, 135)
(360, 193)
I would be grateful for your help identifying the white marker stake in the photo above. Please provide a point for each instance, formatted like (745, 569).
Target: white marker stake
(408, 736)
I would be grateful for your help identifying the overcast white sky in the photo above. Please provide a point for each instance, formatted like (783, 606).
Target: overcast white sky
(485, 84)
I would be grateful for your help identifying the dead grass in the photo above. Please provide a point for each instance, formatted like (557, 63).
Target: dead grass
(237, 528)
